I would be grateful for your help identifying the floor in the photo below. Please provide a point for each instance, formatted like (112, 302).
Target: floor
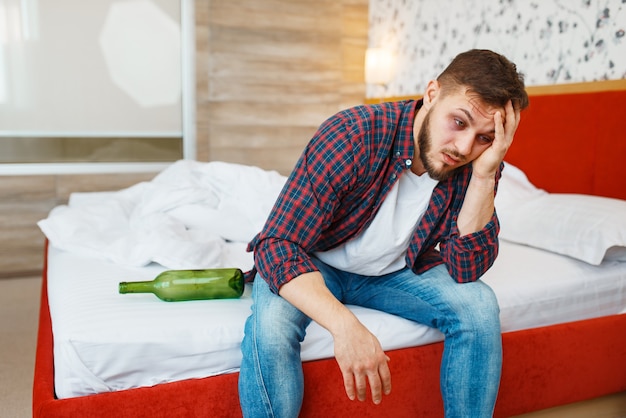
(613, 406)
(19, 309)
(19, 314)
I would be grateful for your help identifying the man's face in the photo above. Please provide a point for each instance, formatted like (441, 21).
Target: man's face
(455, 131)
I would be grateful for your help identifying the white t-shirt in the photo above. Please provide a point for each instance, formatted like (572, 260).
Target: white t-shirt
(382, 246)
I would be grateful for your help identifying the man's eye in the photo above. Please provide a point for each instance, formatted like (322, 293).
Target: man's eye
(485, 139)
(459, 123)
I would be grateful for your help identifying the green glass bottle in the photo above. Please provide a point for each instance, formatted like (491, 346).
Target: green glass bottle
(179, 285)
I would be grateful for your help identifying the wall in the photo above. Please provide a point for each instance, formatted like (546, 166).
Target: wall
(24, 200)
(268, 73)
(551, 41)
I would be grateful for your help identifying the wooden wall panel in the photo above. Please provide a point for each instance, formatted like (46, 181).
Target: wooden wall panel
(24, 200)
(276, 69)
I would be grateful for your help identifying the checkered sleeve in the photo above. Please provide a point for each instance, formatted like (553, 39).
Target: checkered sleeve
(468, 257)
(306, 205)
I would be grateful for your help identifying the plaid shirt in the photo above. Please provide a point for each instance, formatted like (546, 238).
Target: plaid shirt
(339, 183)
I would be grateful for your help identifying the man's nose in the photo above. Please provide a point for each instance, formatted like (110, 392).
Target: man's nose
(464, 143)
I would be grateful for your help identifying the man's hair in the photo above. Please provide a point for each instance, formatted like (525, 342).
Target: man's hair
(491, 76)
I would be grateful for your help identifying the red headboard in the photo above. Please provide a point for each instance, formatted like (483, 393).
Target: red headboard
(574, 143)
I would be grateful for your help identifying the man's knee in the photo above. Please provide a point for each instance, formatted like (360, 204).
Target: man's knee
(274, 321)
(477, 310)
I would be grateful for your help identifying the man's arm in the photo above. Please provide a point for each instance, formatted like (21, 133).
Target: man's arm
(357, 351)
(478, 206)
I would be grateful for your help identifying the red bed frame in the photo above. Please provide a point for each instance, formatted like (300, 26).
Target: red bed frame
(566, 143)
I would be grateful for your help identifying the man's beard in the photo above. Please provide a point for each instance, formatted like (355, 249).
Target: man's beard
(424, 142)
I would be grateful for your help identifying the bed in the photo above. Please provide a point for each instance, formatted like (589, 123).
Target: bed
(562, 306)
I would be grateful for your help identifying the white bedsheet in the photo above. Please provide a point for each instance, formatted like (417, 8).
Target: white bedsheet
(104, 341)
(201, 215)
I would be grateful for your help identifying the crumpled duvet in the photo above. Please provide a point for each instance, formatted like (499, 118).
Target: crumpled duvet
(191, 215)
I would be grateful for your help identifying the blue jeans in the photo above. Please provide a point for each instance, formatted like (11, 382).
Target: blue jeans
(271, 380)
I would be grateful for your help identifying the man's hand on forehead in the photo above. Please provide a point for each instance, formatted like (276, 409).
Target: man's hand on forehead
(506, 121)
(483, 109)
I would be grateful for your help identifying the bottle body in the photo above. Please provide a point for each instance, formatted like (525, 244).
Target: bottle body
(181, 285)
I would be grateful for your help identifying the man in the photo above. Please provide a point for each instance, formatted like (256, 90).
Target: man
(390, 207)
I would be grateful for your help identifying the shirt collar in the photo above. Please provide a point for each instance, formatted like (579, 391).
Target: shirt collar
(404, 149)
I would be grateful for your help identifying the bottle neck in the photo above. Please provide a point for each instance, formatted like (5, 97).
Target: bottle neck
(136, 287)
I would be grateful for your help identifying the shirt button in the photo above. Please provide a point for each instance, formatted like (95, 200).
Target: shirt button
(393, 176)
(408, 163)
(397, 153)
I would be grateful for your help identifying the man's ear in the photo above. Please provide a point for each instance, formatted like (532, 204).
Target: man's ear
(431, 93)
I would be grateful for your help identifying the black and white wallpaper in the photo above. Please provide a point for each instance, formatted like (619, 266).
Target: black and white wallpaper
(551, 41)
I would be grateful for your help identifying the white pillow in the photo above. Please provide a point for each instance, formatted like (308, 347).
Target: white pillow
(588, 228)
(514, 188)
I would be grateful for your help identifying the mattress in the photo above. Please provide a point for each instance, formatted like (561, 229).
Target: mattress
(104, 341)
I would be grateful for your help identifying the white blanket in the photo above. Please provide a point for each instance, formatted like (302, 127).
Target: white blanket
(181, 219)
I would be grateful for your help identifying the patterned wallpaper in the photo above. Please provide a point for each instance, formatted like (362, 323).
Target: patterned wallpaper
(551, 41)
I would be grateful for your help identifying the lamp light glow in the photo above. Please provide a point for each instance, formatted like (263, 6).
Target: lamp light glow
(378, 66)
